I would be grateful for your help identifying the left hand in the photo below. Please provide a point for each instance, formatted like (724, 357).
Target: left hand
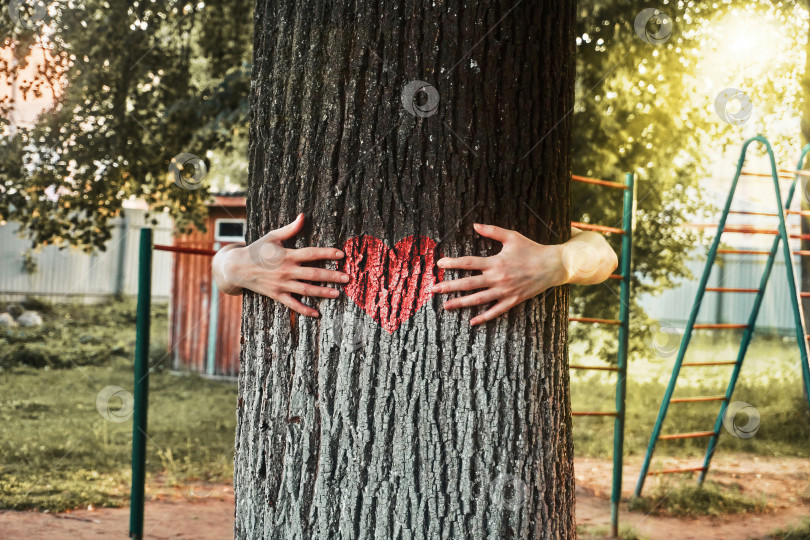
(522, 270)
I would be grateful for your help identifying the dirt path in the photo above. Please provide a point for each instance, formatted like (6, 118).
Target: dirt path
(199, 512)
(205, 512)
(785, 482)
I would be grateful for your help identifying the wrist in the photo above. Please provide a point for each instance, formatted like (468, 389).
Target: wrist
(226, 269)
(563, 265)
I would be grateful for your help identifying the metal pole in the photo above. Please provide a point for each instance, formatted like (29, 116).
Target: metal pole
(141, 389)
(213, 330)
(624, 333)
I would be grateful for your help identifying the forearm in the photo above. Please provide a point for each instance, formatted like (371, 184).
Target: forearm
(588, 259)
(223, 273)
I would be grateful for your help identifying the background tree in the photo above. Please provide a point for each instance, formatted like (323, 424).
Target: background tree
(135, 84)
(427, 428)
(648, 109)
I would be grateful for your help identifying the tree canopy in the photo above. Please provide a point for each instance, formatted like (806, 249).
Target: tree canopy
(138, 83)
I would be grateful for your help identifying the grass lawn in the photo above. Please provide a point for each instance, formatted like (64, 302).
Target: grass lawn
(57, 451)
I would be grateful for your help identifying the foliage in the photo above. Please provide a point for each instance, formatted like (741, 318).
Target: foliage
(689, 500)
(647, 109)
(135, 84)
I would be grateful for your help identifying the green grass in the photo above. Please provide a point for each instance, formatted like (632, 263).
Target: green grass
(800, 531)
(626, 532)
(57, 451)
(770, 380)
(689, 500)
(76, 335)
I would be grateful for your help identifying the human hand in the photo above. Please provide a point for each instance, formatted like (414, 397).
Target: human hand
(522, 270)
(268, 268)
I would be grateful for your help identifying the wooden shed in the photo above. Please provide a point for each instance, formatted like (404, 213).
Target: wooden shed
(204, 324)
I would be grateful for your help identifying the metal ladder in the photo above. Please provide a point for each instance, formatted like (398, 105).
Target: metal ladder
(781, 235)
(623, 322)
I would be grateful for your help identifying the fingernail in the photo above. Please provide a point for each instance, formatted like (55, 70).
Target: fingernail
(339, 254)
(334, 294)
(344, 278)
(437, 288)
(440, 263)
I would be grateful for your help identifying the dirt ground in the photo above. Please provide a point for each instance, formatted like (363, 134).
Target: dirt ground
(205, 512)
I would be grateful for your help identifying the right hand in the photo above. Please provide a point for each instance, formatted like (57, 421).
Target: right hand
(268, 268)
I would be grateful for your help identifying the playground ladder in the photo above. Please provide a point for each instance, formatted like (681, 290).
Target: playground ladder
(781, 235)
(623, 322)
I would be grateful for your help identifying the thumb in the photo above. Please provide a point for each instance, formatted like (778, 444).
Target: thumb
(288, 231)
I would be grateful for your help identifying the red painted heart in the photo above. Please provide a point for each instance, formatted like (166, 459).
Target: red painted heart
(390, 285)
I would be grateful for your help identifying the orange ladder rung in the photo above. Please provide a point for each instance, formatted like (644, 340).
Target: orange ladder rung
(744, 251)
(697, 399)
(767, 175)
(595, 321)
(801, 252)
(593, 413)
(694, 435)
(719, 326)
(749, 213)
(674, 471)
(607, 183)
(597, 368)
(728, 363)
(615, 276)
(730, 289)
(599, 228)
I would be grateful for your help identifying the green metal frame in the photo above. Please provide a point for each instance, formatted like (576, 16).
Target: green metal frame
(628, 204)
(749, 327)
(141, 390)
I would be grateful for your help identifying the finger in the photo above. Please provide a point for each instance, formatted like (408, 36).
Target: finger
(474, 299)
(310, 254)
(295, 305)
(463, 284)
(464, 263)
(501, 307)
(491, 231)
(288, 231)
(305, 289)
(318, 274)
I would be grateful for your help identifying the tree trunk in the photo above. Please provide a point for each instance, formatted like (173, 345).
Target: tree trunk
(388, 417)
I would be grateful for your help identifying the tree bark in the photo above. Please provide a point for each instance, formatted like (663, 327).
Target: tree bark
(400, 420)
